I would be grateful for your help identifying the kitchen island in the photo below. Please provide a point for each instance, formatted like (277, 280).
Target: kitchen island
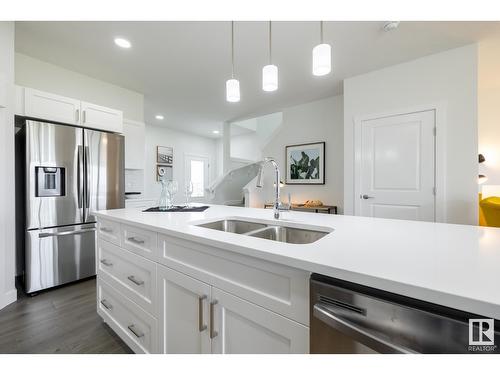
(168, 285)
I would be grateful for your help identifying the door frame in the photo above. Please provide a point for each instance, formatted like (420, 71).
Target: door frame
(439, 153)
(187, 156)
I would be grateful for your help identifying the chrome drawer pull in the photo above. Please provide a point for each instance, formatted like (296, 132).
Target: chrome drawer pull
(134, 330)
(135, 240)
(134, 280)
(106, 304)
(213, 333)
(201, 326)
(106, 262)
(106, 230)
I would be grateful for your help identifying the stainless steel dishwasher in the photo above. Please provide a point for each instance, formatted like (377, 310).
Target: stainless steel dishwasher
(351, 318)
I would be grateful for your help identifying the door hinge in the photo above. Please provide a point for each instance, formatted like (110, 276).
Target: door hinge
(434, 190)
(434, 131)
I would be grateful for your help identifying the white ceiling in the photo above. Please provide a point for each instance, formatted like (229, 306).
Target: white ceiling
(181, 67)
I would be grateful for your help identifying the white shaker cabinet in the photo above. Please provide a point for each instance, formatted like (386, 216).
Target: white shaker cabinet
(241, 327)
(168, 295)
(52, 107)
(103, 118)
(195, 317)
(135, 139)
(44, 105)
(183, 313)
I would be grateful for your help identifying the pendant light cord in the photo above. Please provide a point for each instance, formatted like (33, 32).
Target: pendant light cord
(270, 41)
(232, 49)
(321, 31)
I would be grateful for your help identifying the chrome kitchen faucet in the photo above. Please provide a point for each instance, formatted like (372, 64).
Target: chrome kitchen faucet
(277, 206)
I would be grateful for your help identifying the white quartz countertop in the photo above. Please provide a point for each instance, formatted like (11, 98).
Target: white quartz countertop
(452, 265)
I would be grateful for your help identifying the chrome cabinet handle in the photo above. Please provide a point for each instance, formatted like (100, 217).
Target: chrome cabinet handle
(134, 280)
(134, 330)
(84, 113)
(106, 262)
(106, 230)
(326, 315)
(106, 304)
(213, 333)
(77, 115)
(135, 240)
(201, 326)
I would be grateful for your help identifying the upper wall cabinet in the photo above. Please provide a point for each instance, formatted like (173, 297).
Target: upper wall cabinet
(98, 117)
(135, 139)
(48, 106)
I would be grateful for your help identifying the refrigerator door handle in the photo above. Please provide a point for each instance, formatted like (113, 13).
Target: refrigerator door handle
(79, 176)
(87, 173)
(67, 233)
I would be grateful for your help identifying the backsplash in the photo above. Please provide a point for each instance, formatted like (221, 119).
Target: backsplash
(134, 180)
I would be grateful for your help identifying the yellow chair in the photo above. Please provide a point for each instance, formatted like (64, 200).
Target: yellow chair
(489, 211)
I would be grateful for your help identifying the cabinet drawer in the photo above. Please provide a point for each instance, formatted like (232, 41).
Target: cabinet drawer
(281, 289)
(140, 241)
(134, 325)
(132, 275)
(109, 231)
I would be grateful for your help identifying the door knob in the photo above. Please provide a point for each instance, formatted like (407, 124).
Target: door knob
(364, 196)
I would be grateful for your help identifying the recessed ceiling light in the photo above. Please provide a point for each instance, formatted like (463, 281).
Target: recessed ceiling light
(215, 131)
(124, 43)
(159, 117)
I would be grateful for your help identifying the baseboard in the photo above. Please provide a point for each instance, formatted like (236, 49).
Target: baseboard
(8, 298)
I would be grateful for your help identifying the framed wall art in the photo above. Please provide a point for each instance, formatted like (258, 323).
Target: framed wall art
(305, 164)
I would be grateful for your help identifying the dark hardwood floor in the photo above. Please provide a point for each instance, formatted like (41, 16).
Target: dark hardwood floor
(61, 320)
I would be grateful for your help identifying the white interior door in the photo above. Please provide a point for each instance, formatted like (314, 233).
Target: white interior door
(396, 177)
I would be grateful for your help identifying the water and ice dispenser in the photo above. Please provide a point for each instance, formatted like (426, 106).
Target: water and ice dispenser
(50, 181)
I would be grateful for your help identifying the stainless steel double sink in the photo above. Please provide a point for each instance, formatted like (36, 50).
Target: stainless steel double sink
(275, 232)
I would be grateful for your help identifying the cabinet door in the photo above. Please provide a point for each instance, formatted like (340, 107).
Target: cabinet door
(47, 106)
(241, 327)
(135, 139)
(183, 313)
(102, 118)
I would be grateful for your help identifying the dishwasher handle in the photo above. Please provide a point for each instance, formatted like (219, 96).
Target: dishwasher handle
(324, 313)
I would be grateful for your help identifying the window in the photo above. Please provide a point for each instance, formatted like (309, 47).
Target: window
(197, 173)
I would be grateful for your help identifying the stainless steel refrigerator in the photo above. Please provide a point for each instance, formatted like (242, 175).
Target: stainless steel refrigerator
(63, 174)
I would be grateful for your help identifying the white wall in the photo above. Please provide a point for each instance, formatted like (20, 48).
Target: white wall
(319, 121)
(182, 143)
(449, 79)
(489, 109)
(37, 74)
(246, 146)
(7, 210)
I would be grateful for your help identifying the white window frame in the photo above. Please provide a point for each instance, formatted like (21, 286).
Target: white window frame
(187, 168)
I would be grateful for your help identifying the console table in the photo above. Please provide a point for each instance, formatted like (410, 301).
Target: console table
(317, 209)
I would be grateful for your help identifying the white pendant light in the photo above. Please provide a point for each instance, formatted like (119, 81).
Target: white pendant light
(233, 90)
(322, 57)
(232, 85)
(270, 71)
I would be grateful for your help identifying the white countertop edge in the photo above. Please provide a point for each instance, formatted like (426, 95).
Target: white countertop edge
(473, 306)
